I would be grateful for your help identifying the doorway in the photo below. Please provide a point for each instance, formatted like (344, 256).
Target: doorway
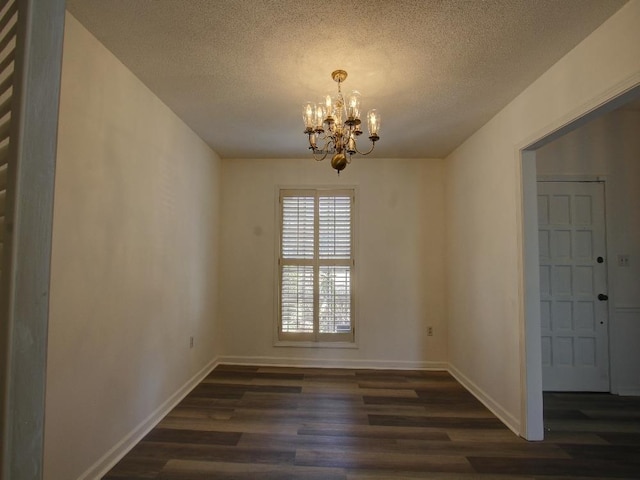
(586, 163)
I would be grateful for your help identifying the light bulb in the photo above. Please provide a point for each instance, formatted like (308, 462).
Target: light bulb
(373, 121)
(319, 117)
(328, 105)
(308, 112)
(353, 105)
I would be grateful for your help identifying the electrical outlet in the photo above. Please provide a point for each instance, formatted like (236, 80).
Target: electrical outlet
(623, 260)
(429, 331)
(190, 342)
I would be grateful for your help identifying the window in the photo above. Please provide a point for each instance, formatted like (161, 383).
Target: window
(316, 265)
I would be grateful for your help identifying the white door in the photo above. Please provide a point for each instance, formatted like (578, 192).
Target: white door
(573, 286)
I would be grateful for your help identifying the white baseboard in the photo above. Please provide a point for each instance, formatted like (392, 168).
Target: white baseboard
(115, 454)
(629, 391)
(505, 417)
(333, 363)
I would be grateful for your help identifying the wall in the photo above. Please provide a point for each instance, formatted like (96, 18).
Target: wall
(485, 218)
(133, 262)
(400, 267)
(609, 146)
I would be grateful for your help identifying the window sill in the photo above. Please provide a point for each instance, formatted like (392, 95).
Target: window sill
(285, 343)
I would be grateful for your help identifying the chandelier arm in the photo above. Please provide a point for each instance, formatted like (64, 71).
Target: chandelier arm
(373, 145)
(324, 151)
(313, 141)
(319, 159)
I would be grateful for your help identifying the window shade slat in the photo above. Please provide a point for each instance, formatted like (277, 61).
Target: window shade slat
(5, 129)
(5, 106)
(4, 154)
(8, 37)
(7, 13)
(6, 84)
(6, 62)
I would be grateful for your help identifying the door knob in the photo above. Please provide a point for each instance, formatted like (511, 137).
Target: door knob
(602, 297)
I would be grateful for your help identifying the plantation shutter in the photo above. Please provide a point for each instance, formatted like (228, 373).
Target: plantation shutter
(297, 227)
(335, 227)
(334, 276)
(298, 234)
(8, 26)
(316, 265)
(297, 276)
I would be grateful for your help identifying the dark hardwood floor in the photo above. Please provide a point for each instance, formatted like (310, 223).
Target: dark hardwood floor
(302, 423)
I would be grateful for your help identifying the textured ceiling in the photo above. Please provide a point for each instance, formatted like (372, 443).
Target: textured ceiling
(238, 71)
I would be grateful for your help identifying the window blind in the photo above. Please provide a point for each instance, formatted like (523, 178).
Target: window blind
(8, 28)
(316, 265)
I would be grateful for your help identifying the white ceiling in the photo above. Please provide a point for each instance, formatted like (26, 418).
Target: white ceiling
(238, 71)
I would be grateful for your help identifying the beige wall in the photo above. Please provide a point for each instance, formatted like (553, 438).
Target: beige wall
(609, 147)
(485, 216)
(134, 261)
(400, 267)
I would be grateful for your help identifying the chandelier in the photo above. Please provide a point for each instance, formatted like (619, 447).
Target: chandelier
(335, 123)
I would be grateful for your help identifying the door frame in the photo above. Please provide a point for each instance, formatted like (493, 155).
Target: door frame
(531, 418)
(609, 256)
(26, 264)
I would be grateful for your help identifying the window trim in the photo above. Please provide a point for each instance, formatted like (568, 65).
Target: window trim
(316, 339)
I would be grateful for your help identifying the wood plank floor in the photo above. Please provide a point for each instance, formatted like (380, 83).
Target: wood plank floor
(301, 423)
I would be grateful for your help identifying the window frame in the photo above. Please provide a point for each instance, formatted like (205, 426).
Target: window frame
(315, 338)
